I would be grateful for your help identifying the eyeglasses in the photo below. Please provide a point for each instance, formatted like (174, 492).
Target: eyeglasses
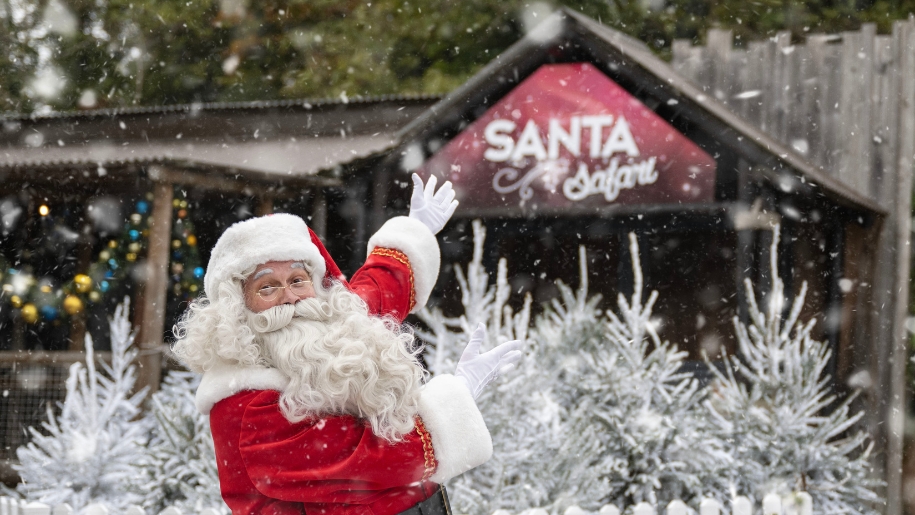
(299, 288)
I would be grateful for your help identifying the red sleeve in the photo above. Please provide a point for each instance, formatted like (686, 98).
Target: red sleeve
(336, 459)
(386, 283)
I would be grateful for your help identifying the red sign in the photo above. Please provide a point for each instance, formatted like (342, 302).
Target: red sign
(570, 136)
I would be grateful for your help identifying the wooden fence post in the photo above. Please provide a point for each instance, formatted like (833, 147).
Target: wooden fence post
(155, 288)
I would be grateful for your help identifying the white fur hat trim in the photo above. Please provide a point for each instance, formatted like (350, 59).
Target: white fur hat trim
(246, 244)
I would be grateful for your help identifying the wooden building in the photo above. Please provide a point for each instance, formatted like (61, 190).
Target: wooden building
(576, 135)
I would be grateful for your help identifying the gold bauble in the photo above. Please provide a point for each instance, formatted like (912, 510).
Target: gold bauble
(30, 313)
(83, 283)
(73, 304)
(16, 301)
(176, 244)
(112, 244)
(192, 240)
(131, 256)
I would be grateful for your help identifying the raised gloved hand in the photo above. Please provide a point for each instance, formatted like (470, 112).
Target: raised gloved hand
(478, 370)
(433, 210)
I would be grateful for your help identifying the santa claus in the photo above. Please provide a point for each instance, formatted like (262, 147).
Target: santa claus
(316, 397)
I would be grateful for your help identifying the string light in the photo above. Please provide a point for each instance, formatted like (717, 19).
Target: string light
(44, 210)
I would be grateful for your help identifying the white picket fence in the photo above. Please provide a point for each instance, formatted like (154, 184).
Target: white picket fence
(10, 506)
(794, 504)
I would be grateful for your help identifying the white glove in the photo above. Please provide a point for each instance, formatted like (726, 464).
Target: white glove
(478, 370)
(432, 210)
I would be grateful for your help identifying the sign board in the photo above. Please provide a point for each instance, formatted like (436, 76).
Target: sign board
(569, 136)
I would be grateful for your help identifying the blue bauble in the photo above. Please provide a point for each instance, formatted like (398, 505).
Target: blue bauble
(142, 207)
(199, 272)
(134, 234)
(103, 286)
(49, 313)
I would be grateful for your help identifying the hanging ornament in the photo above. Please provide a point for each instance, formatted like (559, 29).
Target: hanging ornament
(48, 312)
(16, 301)
(30, 313)
(199, 272)
(192, 240)
(73, 304)
(134, 234)
(142, 207)
(83, 283)
(95, 296)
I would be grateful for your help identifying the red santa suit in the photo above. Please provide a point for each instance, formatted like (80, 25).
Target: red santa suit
(336, 465)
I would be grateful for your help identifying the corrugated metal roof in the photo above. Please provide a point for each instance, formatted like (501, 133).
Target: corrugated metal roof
(282, 159)
(216, 106)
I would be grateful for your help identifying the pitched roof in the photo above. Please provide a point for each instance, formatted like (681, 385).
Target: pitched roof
(570, 36)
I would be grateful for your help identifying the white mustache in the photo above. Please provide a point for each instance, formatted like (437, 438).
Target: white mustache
(278, 317)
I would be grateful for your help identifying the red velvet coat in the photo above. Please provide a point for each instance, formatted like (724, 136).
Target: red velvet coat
(336, 465)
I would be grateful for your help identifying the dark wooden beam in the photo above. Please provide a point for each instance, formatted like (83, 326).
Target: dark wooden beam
(151, 303)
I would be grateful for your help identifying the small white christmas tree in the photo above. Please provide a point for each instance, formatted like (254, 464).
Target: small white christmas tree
(89, 453)
(495, 484)
(772, 411)
(597, 411)
(180, 465)
(633, 432)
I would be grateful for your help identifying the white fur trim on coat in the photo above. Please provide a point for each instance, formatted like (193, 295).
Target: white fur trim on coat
(224, 381)
(252, 242)
(460, 439)
(415, 240)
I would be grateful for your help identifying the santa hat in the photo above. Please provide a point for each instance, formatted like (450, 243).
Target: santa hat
(278, 237)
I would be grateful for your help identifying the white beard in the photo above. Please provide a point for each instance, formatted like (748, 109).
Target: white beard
(341, 360)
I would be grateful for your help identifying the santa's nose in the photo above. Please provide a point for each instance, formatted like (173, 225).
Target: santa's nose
(288, 297)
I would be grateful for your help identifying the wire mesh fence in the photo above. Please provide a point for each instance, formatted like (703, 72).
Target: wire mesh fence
(26, 391)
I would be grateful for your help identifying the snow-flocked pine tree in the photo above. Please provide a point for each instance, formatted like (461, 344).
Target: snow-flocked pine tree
(597, 412)
(773, 410)
(632, 430)
(495, 484)
(90, 451)
(180, 464)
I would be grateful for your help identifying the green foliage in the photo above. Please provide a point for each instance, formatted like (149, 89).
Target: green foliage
(155, 52)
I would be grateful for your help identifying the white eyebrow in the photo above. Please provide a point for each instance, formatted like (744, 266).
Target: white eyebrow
(262, 273)
(297, 265)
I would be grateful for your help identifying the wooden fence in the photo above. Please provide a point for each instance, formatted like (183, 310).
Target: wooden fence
(794, 504)
(846, 102)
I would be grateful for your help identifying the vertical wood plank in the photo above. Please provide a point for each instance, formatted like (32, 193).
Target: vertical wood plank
(904, 37)
(783, 77)
(854, 130)
(883, 103)
(680, 57)
(831, 115)
(815, 89)
(718, 43)
(155, 287)
(757, 88)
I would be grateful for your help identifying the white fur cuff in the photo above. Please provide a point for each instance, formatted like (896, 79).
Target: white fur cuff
(415, 240)
(460, 439)
(224, 381)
